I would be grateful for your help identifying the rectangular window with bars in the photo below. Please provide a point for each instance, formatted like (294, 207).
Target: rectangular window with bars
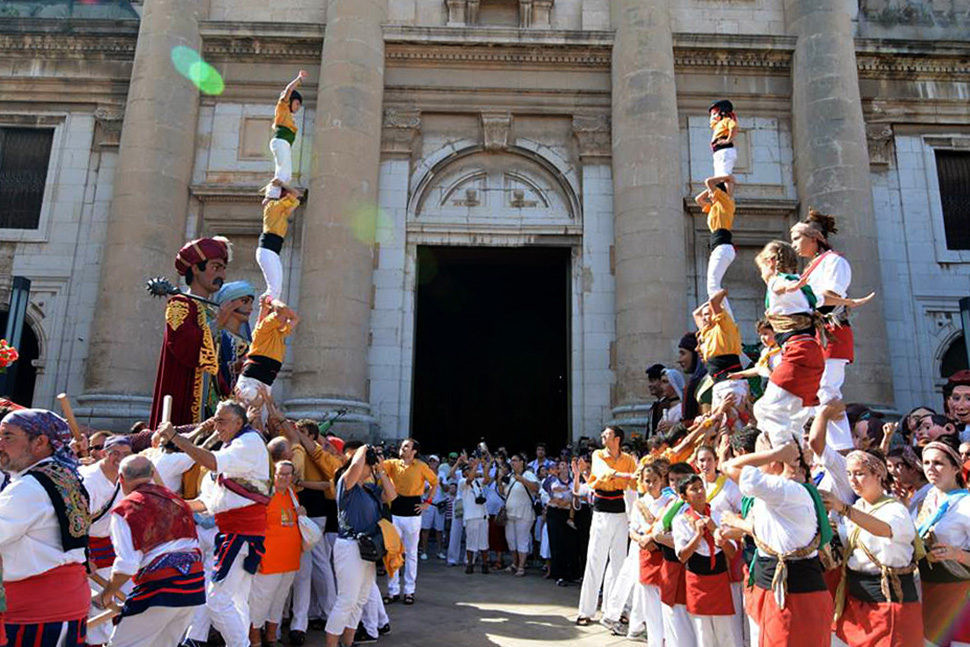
(24, 157)
(953, 169)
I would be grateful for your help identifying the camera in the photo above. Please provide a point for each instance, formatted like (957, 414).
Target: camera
(372, 456)
(480, 499)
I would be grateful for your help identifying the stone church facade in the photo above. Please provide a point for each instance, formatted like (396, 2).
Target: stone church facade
(576, 124)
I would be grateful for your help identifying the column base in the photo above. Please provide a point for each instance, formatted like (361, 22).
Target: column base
(357, 423)
(634, 418)
(114, 411)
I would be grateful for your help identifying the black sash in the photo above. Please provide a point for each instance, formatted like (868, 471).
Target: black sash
(936, 573)
(608, 501)
(718, 147)
(804, 575)
(868, 587)
(403, 506)
(720, 237)
(701, 564)
(271, 241)
(262, 368)
(720, 367)
(670, 555)
(70, 500)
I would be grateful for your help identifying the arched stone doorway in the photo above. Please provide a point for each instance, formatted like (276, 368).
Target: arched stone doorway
(26, 375)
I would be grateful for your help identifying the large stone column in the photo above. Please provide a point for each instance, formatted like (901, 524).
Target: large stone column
(146, 225)
(330, 348)
(832, 172)
(651, 267)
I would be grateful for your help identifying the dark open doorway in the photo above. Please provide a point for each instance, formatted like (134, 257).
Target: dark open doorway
(29, 350)
(491, 348)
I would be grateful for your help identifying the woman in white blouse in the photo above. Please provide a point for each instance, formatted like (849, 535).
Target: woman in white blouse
(877, 603)
(944, 525)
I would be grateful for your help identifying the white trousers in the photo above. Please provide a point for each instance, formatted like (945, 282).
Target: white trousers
(410, 530)
(374, 615)
(839, 436)
(268, 597)
(455, 553)
(228, 602)
(623, 587)
(283, 158)
(433, 519)
(155, 627)
(355, 579)
(272, 267)
(651, 609)
(200, 623)
(721, 390)
(476, 535)
(100, 634)
(607, 539)
(315, 576)
(717, 266)
(779, 415)
(740, 624)
(678, 628)
(715, 631)
(724, 161)
(518, 535)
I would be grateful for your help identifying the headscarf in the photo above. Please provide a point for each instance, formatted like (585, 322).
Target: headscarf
(872, 463)
(40, 422)
(943, 447)
(676, 379)
(811, 231)
(234, 290)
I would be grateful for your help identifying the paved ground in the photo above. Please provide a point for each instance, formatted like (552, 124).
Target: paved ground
(453, 609)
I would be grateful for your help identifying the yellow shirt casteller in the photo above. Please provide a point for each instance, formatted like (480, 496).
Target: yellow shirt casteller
(600, 477)
(723, 128)
(283, 116)
(276, 214)
(269, 338)
(720, 337)
(409, 479)
(720, 212)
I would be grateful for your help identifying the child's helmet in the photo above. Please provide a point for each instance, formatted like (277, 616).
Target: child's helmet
(722, 106)
(296, 95)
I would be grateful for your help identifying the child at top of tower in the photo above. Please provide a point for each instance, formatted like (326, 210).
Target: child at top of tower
(276, 215)
(284, 134)
(724, 127)
(716, 201)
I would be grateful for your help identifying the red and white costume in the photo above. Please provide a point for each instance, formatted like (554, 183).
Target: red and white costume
(830, 272)
(946, 613)
(724, 496)
(793, 385)
(793, 610)
(241, 520)
(155, 541)
(709, 600)
(104, 495)
(869, 618)
(678, 627)
(647, 595)
(46, 582)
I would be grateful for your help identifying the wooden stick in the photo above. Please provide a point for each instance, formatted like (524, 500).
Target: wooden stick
(103, 583)
(69, 416)
(166, 409)
(102, 618)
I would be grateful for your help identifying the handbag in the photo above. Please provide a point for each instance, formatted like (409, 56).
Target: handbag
(370, 544)
(309, 531)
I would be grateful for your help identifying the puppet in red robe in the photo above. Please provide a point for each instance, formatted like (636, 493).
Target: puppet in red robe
(189, 362)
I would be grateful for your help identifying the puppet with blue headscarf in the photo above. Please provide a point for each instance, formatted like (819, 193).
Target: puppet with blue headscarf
(236, 336)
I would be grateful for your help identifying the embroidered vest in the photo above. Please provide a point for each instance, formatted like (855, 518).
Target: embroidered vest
(155, 515)
(70, 500)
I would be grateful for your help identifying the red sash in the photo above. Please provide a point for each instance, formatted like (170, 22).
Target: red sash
(249, 520)
(651, 563)
(801, 368)
(101, 551)
(673, 589)
(58, 595)
(709, 595)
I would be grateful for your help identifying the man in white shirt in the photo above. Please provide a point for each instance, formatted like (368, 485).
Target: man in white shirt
(44, 521)
(471, 489)
(236, 492)
(157, 547)
(101, 482)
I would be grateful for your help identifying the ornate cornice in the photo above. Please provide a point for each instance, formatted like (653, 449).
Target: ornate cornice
(262, 42)
(531, 55)
(928, 65)
(70, 44)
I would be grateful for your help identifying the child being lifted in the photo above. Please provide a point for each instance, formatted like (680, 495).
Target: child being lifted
(265, 358)
(284, 134)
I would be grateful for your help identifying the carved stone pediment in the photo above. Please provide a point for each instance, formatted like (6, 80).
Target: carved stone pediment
(532, 13)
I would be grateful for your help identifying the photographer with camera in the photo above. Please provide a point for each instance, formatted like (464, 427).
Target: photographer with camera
(518, 489)
(471, 488)
(362, 488)
(409, 476)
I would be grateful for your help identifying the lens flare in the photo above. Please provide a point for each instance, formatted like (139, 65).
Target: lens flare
(369, 224)
(189, 64)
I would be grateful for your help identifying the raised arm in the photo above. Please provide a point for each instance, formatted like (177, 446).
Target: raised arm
(292, 85)
(819, 431)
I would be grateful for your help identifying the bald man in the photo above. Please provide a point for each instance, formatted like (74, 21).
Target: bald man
(156, 545)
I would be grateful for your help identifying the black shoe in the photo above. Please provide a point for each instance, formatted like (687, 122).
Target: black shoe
(469, 569)
(484, 568)
(297, 637)
(383, 631)
(362, 637)
(562, 582)
(318, 624)
(391, 599)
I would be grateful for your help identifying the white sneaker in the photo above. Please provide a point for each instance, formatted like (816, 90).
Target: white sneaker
(424, 557)
(442, 556)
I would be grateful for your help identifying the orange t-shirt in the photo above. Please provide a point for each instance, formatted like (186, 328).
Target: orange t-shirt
(283, 540)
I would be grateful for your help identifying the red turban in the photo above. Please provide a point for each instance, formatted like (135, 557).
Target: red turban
(201, 250)
(960, 378)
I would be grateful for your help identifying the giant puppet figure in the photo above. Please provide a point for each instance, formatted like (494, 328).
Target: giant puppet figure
(189, 364)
